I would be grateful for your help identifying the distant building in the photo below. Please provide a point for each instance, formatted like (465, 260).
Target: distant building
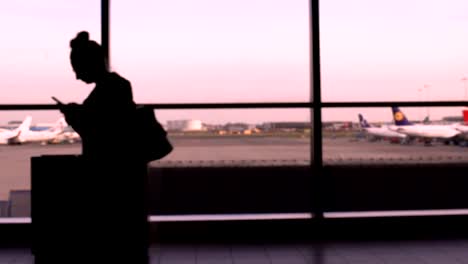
(286, 126)
(221, 132)
(214, 128)
(236, 127)
(338, 125)
(452, 119)
(15, 122)
(184, 125)
(12, 124)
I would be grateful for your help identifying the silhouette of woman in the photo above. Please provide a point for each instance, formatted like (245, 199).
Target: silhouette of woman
(114, 180)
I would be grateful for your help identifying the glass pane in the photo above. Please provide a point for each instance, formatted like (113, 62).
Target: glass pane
(35, 49)
(48, 134)
(391, 161)
(394, 50)
(395, 136)
(252, 162)
(260, 137)
(212, 51)
(253, 138)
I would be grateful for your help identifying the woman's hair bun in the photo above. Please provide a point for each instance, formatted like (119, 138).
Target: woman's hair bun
(81, 40)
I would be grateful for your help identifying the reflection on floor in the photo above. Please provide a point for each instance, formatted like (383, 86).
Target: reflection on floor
(398, 252)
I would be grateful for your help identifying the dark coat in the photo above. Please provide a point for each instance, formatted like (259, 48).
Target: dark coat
(105, 119)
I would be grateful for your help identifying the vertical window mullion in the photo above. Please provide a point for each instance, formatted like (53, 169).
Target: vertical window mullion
(316, 140)
(105, 31)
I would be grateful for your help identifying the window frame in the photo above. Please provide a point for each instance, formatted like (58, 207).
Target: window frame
(315, 105)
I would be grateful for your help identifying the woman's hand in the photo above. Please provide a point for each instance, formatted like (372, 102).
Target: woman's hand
(71, 112)
(68, 108)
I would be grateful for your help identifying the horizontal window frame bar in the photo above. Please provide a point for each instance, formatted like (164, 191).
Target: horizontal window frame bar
(194, 218)
(395, 103)
(229, 217)
(256, 105)
(397, 213)
(175, 106)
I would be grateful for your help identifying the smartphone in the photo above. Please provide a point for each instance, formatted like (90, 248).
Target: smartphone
(56, 100)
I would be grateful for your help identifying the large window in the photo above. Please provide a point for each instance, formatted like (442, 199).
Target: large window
(402, 54)
(253, 52)
(220, 52)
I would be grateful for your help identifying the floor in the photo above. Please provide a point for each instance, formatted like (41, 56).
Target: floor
(398, 252)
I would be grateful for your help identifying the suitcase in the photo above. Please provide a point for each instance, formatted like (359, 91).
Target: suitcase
(68, 207)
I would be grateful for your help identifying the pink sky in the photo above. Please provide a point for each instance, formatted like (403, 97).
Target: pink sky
(242, 51)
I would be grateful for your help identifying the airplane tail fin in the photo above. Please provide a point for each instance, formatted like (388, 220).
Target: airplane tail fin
(465, 116)
(426, 120)
(399, 118)
(363, 122)
(24, 127)
(60, 125)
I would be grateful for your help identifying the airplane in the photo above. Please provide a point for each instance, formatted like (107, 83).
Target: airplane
(426, 120)
(464, 126)
(43, 136)
(427, 132)
(7, 135)
(67, 135)
(379, 132)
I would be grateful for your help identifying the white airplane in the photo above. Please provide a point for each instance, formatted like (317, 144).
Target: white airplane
(427, 132)
(464, 126)
(379, 132)
(44, 136)
(67, 135)
(7, 136)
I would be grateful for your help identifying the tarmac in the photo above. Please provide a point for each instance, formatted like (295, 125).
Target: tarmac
(242, 150)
